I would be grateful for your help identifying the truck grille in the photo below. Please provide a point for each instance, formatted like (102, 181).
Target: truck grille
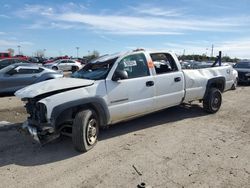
(242, 76)
(36, 110)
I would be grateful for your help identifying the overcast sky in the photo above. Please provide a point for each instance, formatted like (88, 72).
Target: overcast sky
(110, 26)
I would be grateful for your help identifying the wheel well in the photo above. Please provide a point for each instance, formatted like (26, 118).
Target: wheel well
(69, 114)
(218, 83)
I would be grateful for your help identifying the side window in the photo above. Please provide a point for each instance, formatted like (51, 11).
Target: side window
(135, 65)
(163, 63)
(64, 61)
(29, 71)
(5, 62)
(71, 61)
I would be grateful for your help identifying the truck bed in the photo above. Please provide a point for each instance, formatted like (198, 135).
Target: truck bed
(196, 80)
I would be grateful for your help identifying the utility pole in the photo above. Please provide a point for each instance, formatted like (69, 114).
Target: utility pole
(18, 49)
(44, 52)
(212, 51)
(77, 48)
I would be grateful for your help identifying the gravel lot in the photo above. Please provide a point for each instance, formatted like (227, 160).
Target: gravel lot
(178, 147)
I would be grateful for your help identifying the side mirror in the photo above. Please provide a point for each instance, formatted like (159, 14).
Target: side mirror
(120, 75)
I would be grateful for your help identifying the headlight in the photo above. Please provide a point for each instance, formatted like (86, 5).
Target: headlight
(247, 74)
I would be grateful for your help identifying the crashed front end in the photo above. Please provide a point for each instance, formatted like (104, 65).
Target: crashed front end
(41, 98)
(37, 125)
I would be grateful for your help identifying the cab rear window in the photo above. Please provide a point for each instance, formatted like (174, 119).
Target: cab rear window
(163, 63)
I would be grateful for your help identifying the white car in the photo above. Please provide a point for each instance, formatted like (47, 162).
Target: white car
(64, 65)
(116, 88)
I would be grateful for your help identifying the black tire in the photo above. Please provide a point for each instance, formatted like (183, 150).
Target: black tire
(212, 102)
(54, 68)
(85, 130)
(74, 69)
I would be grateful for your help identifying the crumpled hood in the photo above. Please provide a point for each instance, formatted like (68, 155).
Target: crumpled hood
(52, 86)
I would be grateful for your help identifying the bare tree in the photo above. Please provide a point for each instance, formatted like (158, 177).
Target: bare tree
(95, 53)
(11, 51)
(39, 53)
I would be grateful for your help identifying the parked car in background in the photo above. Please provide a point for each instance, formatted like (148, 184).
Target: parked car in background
(64, 65)
(33, 60)
(22, 57)
(83, 61)
(4, 55)
(41, 59)
(19, 75)
(55, 59)
(243, 69)
(10, 61)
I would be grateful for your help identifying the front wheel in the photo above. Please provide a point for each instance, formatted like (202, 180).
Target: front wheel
(85, 130)
(212, 102)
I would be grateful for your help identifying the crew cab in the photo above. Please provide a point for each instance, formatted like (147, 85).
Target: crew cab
(115, 88)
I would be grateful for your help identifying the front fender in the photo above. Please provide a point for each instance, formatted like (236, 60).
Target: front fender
(93, 102)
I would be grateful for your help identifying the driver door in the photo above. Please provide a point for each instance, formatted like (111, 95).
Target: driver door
(63, 65)
(132, 96)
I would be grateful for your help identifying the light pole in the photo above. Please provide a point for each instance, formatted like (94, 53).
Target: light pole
(19, 49)
(212, 51)
(44, 52)
(77, 48)
(206, 51)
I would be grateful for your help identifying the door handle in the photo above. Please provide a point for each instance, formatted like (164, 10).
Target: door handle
(177, 79)
(150, 83)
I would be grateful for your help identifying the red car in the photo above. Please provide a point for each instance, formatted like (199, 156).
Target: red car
(21, 57)
(4, 55)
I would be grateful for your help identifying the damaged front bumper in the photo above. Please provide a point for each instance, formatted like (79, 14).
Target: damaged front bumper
(41, 136)
(31, 130)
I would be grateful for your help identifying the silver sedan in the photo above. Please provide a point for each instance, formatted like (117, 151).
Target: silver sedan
(64, 65)
(19, 75)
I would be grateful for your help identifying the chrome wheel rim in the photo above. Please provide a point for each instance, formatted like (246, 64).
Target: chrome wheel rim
(92, 131)
(216, 102)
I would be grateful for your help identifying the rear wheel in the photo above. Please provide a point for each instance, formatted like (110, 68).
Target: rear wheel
(85, 130)
(212, 102)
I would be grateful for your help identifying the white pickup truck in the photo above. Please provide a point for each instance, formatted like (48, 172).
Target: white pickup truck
(116, 88)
